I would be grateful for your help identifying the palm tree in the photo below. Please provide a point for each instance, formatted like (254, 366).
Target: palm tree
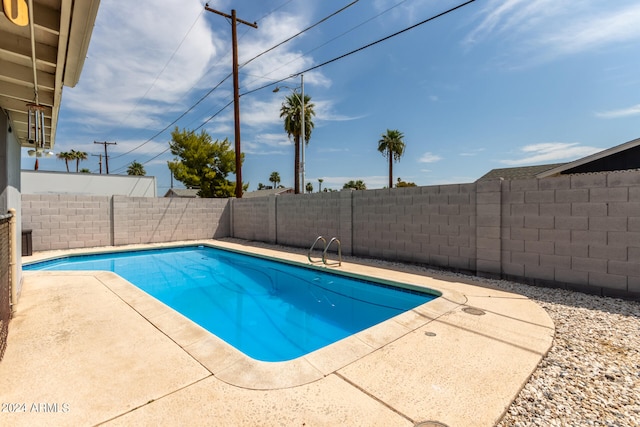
(275, 178)
(356, 185)
(290, 111)
(78, 156)
(136, 168)
(66, 156)
(320, 181)
(391, 145)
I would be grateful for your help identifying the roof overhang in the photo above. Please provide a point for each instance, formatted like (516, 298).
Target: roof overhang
(61, 34)
(592, 158)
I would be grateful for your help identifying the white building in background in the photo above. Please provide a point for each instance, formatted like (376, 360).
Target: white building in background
(87, 184)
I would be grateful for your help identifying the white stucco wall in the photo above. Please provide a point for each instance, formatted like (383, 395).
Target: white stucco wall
(45, 182)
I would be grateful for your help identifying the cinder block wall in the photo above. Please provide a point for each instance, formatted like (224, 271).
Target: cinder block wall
(154, 220)
(301, 219)
(66, 221)
(576, 231)
(251, 218)
(434, 225)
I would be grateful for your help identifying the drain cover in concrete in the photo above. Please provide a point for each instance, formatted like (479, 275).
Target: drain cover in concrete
(474, 311)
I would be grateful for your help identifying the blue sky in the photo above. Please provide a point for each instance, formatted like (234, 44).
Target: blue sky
(494, 84)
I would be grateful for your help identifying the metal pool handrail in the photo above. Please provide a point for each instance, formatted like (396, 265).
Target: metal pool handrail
(314, 244)
(326, 248)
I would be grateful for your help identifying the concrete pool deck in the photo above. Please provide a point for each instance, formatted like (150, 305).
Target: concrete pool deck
(89, 348)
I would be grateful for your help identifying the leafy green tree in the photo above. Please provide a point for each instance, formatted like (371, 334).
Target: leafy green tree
(309, 187)
(291, 113)
(320, 181)
(66, 156)
(391, 145)
(202, 162)
(261, 186)
(85, 170)
(136, 168)
(356, 185)
(402, 183)
(275, 178)
(78, 156)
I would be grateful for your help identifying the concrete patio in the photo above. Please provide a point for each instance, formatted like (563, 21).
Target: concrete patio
(89, 348)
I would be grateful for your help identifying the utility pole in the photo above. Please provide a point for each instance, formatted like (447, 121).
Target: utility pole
(236, 90)
(99, 161)
(106, 155)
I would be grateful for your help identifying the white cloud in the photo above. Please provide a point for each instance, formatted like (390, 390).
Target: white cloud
(472, 153)
(624, 112)
(551, 152)
(139, 68)
(429, 158)
(282, 62)
(541, 30)
(257, 113)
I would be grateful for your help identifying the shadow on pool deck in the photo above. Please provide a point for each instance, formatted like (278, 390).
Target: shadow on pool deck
(89, 348)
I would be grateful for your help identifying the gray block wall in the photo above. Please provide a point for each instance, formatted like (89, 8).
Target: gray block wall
(300, 219)
(68, 222)
(433, 225)
(577, 231)
(155, 220)
(251, 219)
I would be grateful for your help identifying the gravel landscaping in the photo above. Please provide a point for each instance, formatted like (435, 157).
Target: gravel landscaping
(591, 375)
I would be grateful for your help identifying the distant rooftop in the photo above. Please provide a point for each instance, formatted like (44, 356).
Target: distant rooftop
(622, 157)
(189, 193)
(265, 193)
(524, 172)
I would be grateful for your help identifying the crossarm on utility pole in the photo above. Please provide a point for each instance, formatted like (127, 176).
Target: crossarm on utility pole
(106, 154)
(254, 25)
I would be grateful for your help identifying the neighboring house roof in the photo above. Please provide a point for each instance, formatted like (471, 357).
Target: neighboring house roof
(621, 157)
(62, 30)
(524, 172)
(182, 192)
(269, 192)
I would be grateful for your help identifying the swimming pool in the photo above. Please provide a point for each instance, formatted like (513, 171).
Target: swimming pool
(269, 310)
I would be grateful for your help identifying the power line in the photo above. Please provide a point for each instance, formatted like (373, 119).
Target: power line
(302, 32)
(305, 71)
(333, 39)
(230, 74)
(160, 73)
(204, 123)
(157, 134)
(361, 48)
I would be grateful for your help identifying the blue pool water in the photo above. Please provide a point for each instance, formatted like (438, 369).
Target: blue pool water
(271, 311)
